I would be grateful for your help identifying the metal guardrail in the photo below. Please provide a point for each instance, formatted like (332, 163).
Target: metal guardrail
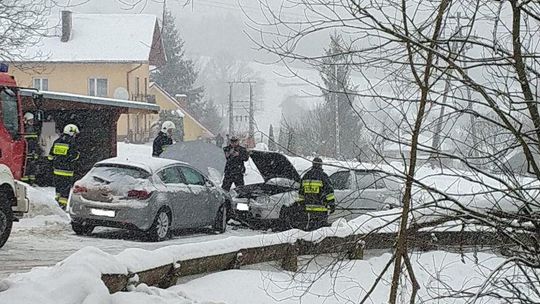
(351, 247)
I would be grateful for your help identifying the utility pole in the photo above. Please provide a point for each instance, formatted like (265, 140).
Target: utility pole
(336, 101)
(251, 113)
(251, 108)
(231, 114)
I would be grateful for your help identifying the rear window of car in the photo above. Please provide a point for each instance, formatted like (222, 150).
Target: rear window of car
(114, 172)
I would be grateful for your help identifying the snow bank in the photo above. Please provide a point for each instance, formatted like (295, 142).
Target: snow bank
(346, 282)
(78, 280)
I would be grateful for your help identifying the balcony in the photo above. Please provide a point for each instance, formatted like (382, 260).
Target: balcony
(143, 98)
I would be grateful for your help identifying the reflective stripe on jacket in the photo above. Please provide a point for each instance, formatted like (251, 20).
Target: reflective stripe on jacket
(64, 153)
(316, 191)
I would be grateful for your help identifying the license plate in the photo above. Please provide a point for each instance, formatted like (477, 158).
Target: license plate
(101, 212)
(242, 207)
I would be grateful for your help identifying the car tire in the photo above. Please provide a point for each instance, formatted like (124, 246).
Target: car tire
(6, 218)
(161, 228)
(220, 222)
(81, 229)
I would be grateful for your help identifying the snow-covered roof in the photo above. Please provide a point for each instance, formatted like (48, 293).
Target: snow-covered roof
(93, 100)
(405, 143)
(150, 164)
(101, 38)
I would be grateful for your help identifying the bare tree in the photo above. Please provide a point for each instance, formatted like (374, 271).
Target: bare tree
(22, 24)
(406, 53)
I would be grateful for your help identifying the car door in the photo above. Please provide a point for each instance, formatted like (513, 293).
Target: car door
(200, 202)
(370, 198)
(178, 196)
(341, 181)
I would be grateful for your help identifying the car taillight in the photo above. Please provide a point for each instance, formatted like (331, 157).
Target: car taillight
(139, 194)
(79, 189)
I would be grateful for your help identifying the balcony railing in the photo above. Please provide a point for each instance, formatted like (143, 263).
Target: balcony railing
(144, 98)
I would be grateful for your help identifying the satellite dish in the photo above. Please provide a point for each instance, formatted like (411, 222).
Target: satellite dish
(121, 93)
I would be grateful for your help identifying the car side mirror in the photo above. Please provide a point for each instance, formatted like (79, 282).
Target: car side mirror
(209, 184)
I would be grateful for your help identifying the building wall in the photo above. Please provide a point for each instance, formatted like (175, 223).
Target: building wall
(74, 78)
(192, 131)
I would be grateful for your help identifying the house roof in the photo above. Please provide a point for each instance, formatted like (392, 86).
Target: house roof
(68, 100)
(404, 143)
(102, 38)
(185, 112)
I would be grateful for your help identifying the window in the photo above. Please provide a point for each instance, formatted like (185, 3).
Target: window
(365, 180)
(41, 84)
(10, 111)
(98, 87)
(340, 180)
(171, 176)
(193, 177)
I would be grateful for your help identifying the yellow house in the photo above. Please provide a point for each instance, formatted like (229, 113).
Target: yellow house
(193, 129)
(106, 55)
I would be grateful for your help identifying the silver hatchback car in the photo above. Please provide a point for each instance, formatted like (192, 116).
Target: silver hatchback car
(153, 195)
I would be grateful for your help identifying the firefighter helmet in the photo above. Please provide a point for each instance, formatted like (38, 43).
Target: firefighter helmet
(167, 125)
(71, 130)
(317, 162)
(28, 116)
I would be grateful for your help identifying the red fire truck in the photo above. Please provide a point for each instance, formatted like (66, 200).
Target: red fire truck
(13, 198)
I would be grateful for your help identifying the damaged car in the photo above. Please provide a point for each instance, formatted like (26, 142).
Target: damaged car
(357, 191)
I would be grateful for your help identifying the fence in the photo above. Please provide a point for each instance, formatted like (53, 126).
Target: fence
(351, 247)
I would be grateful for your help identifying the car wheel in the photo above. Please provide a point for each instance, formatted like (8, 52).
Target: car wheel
(161, 228)
(81, 229)
(6, 219)
(220, 223)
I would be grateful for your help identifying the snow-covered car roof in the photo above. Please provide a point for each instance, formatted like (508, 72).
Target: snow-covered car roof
(150, 164)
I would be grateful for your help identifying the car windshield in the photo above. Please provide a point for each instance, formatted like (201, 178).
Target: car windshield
(108, 173)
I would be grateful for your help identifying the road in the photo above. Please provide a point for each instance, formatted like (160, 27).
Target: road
(52, 240)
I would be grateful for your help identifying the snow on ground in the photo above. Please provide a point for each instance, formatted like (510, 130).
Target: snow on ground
(75, 263)
(77, 279)
(44, 236)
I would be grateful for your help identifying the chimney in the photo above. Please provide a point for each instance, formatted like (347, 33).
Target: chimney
(182, 100)
(66, 26)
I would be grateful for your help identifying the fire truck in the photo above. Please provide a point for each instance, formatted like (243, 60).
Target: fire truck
(13, 199)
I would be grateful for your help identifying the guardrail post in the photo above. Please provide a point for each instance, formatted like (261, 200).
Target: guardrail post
(290, 259)
(171, 277)
(238, 261)
(357, 252)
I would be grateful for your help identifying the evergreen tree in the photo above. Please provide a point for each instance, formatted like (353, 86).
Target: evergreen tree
(179, 76)
(339, 94)
(271, 140)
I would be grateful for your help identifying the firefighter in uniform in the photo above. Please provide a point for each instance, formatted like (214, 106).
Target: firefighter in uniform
(163, 139)
(64, 155)
(236, 155)
(315, 200)
(32, 153)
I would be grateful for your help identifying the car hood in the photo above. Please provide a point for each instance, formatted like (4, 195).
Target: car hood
(273, 165)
